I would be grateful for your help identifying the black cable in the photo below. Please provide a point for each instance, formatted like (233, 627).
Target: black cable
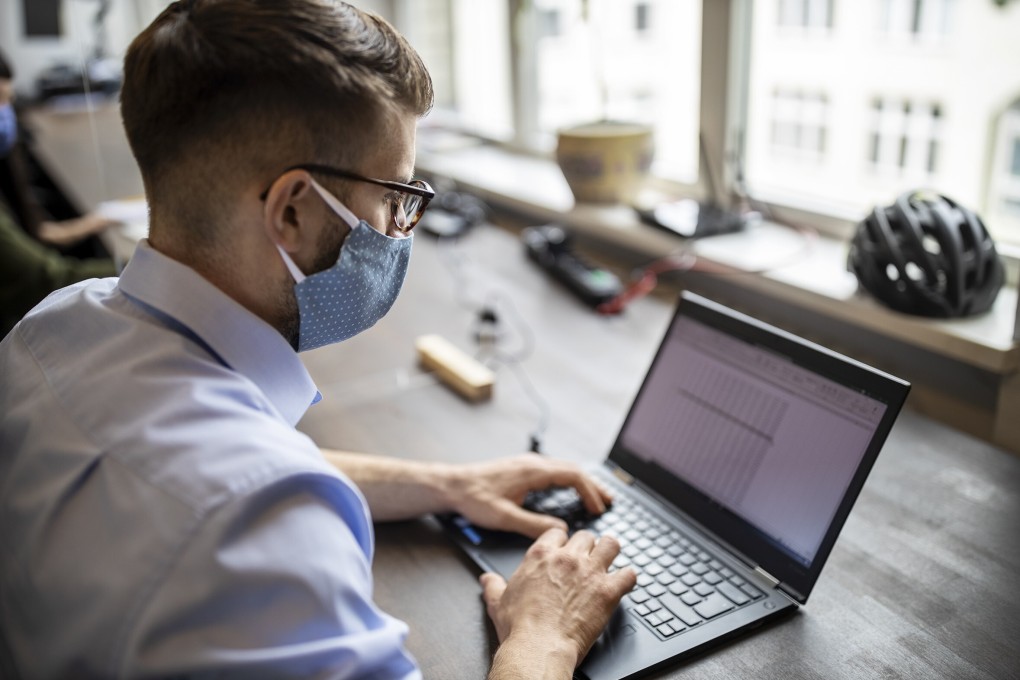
(490, 335)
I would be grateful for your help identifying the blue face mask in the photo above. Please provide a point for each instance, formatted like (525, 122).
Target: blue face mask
(8, 129)
(352, 295)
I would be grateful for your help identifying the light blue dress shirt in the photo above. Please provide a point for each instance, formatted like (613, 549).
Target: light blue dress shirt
(159, 513)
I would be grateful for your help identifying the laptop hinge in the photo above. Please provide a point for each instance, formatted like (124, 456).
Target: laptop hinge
(773, 582)
(623, 476)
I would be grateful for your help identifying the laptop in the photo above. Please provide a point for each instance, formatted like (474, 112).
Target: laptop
(733, 473)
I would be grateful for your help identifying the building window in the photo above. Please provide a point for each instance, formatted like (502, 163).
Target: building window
(918, 19)
(548, 21)
(1005, 186)
(895, 113)
(805, 13)
(642, 17)
(799, 124)
(905, 137)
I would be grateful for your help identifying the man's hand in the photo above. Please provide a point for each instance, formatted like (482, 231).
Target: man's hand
(555, 605)
(490, 494)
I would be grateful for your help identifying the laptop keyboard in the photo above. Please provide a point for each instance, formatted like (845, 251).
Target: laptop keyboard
(679, 584)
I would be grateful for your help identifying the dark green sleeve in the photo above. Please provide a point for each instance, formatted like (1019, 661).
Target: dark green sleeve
(29, 271)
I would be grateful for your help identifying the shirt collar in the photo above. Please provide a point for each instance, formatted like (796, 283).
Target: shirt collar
(241, 340)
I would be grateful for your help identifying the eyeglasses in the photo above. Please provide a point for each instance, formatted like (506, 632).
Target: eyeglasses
(406, 207)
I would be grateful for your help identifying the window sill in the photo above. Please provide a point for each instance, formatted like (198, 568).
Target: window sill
(813, 277)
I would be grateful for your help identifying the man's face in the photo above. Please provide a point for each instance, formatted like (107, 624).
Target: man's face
(391, 158)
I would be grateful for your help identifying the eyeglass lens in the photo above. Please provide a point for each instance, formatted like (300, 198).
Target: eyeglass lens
(407, 210)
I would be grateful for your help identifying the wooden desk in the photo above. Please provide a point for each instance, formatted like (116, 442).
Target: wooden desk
(922, 583)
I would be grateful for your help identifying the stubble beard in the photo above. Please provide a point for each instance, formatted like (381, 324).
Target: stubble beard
(330, 241)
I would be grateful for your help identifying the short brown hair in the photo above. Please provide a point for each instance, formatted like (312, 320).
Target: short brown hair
(215, 86)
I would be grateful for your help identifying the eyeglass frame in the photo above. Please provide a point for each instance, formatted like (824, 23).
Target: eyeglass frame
(425, 192)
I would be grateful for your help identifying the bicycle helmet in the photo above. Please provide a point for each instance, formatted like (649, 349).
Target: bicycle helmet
(927, 255)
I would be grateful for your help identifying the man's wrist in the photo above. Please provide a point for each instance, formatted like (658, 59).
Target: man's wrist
(525, 656)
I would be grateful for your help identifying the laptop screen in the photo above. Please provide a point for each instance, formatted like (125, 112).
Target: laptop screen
(771, 441)
(763, 438)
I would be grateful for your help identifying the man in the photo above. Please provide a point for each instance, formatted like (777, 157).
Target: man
(159, 513)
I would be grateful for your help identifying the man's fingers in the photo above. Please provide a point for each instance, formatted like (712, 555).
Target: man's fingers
(582, 542)
(531, 524)
(493, 587)
(605, 550)
(622, 581)
(562, 473)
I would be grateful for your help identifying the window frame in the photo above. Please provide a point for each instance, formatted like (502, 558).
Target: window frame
(723, 112)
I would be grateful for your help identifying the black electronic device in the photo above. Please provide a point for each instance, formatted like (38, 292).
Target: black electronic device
(549, 246)
(732, 475)
(692, 219)
(688, 218)
(452, 213)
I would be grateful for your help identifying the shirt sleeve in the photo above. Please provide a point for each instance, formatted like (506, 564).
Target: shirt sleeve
(29, 271)
(277, 585)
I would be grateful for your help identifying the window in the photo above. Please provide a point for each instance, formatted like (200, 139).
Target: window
(805, 13)
(466, 46)
(916, 19)
(642, 16)
(577, 61)
(798, 125)
(892, 115)
(831, 107)
(1004, 193)
(905, 138)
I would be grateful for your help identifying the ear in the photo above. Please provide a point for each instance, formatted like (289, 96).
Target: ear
(292, 210)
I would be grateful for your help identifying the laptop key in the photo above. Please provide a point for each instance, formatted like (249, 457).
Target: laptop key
(751, 591)
(644, 580)
(666, 561)
(655, 589)
(691, 598)
(680, 610)
(678, 589)
(639, 596)
(712, 578)
(704, 589)
(732, 592)
(665, 630)
(713, 605)
(677, 569)
(690, 579)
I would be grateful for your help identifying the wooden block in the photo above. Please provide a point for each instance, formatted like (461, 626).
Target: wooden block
(464, 374)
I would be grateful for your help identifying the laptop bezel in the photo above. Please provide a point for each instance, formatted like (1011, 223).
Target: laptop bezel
(737, 534)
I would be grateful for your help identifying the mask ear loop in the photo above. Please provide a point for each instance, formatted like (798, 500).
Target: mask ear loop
(342, 211)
